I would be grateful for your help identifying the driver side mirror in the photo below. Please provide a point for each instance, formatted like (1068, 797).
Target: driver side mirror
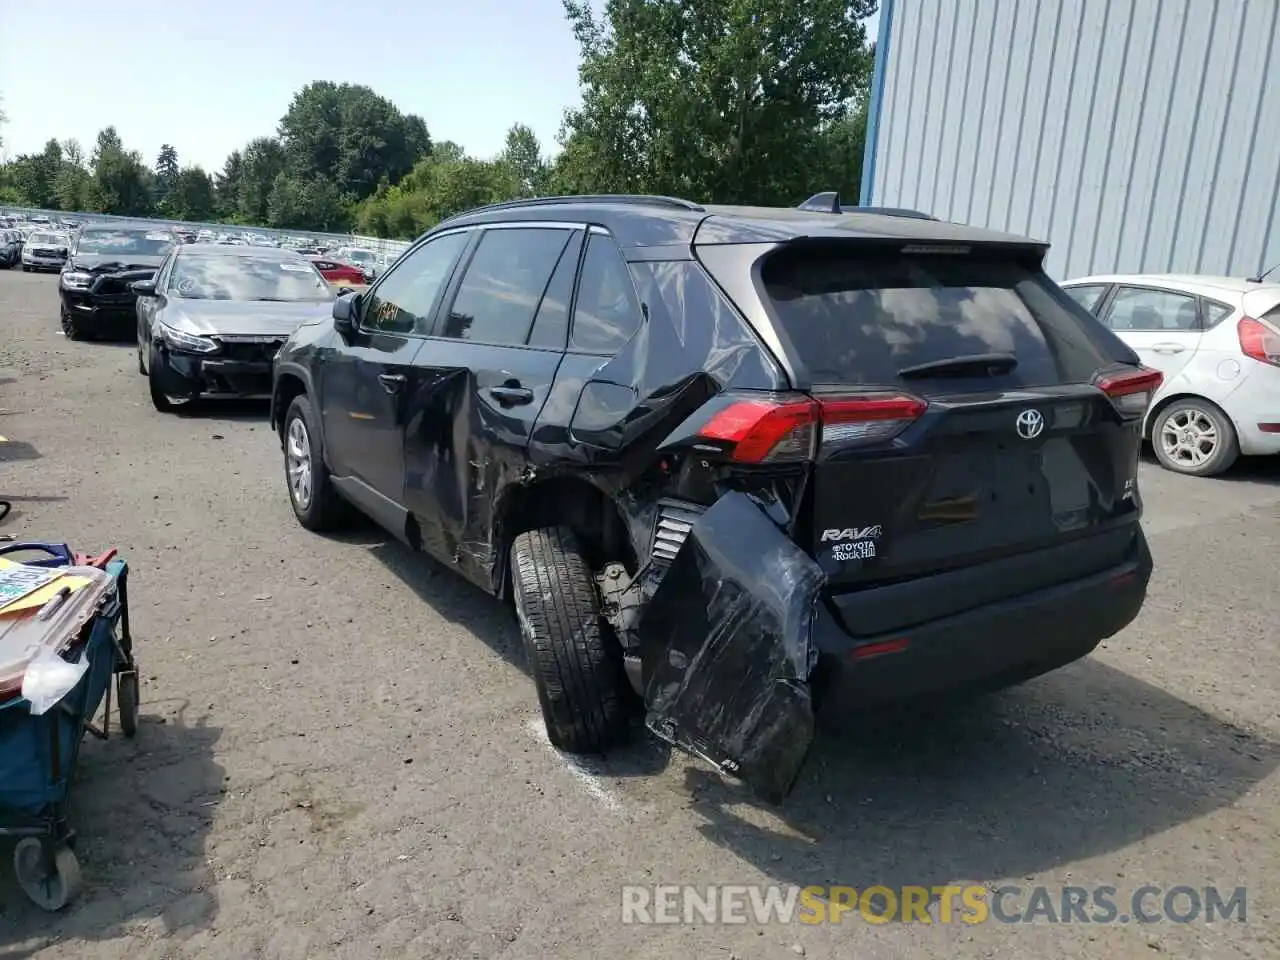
(143, 288)
(346, 311)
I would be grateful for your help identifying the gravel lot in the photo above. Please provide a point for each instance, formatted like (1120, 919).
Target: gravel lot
(338, 757)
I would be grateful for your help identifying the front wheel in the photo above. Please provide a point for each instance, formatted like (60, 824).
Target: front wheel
(163, 402)
(71, 328)
(576, 663)
(1195, 438)
(50, 878)
(316, 502)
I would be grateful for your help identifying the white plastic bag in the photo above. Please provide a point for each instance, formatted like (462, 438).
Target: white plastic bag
(49, 678)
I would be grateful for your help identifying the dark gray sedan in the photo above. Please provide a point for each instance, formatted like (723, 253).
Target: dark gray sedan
(212, 320)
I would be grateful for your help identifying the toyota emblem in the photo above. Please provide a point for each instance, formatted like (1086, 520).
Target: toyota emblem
(1030, 424)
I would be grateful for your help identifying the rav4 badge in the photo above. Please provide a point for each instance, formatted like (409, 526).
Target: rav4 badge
(851, 533)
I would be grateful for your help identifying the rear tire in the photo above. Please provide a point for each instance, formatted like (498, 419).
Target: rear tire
(1173, 437)
(576, 664)
(316, 502)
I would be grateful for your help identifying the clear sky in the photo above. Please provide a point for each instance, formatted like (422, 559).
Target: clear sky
(209, 75)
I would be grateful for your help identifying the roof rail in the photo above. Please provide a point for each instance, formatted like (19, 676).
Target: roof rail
(639, 199)
(829, 202)
(894, 212)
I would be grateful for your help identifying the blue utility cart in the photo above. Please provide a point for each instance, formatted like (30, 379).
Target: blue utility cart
(38, 753)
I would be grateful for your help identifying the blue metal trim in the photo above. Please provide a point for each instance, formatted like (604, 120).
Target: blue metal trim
(877, 100)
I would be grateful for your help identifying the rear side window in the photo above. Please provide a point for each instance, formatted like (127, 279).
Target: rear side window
(864, 318)
(1086, 296)
(607, 313)
(1215, 313)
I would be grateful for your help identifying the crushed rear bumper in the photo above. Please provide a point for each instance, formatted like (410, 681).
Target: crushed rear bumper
(739, 644)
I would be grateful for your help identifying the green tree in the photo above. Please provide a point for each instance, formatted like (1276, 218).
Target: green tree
(72, 152)
(73, 187)
(226, 185)
(721, 100)
(350, 135)
(28, 178)
(264, 161)
(108, 141)
(192, 195)
(307, 204)
(523, 155)
(121, 181)
(839, 157)
(446, 183)
(166, 173)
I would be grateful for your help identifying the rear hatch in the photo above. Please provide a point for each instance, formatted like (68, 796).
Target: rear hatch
(966, 411)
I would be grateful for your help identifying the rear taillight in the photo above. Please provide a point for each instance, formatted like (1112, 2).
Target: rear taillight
(774, 429)
(1131, 392)
(1259, 341)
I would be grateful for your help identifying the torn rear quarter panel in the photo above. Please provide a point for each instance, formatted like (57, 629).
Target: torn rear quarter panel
(727, 651)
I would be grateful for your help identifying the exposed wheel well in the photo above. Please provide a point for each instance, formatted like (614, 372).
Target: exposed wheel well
(287, 387)
(569, 502)
(1153, 415)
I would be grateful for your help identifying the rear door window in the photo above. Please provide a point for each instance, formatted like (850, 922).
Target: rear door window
(503, 285)
(862, 318)
(1144, 309)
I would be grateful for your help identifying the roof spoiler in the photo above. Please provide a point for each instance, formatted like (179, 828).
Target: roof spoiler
(829, 202)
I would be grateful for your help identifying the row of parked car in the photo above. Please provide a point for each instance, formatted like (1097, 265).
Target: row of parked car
(731, 465)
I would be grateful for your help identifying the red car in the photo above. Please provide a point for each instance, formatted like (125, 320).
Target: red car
(339, 274)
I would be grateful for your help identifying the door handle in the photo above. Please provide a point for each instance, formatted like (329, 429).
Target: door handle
(391, 382)
(1168, 347)
(511, 395)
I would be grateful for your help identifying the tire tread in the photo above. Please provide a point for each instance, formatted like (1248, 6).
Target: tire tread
(576, 664)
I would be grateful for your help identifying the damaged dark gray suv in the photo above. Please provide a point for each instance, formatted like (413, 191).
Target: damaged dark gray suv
(740, 464)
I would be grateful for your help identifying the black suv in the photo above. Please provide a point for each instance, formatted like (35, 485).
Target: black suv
(744, 462)
(95, 286)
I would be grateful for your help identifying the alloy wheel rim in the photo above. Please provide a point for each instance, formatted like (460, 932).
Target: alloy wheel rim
(298, 462)
(1189, 437)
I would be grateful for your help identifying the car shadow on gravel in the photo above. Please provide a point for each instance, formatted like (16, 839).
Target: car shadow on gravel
(237, 411)
(1082, 762)
(493, 622)
(1244, 470)
(142, 809)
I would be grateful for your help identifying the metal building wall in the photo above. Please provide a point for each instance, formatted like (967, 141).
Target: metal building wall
(1134, 135)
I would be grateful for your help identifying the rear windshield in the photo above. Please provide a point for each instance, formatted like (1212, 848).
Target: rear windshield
(863, 320)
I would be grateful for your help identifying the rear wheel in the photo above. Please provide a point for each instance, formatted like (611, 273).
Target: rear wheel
(576, 664)
(1195, 438)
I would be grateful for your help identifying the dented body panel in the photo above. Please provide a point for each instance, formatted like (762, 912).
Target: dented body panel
(746, 593)
(727, 647)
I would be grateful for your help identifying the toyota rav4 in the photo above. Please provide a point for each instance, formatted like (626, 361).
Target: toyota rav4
(735, 466)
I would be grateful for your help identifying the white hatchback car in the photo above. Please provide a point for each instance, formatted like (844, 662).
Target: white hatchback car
(1217, 342)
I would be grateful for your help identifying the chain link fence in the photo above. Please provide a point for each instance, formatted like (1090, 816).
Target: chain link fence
(388, 249)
